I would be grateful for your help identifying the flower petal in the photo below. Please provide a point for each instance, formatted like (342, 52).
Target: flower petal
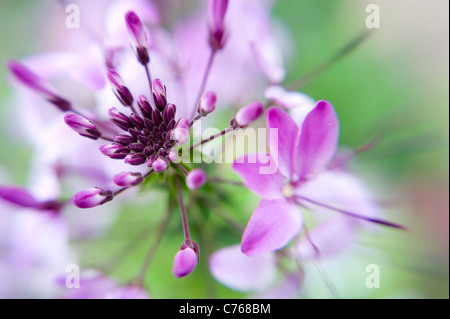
(341, 190)
(273, 224)
(282, 142)
(318, 140)
(258, 175)
(240, 272)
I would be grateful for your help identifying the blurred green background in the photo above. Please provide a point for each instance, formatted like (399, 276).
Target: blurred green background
(395, 85)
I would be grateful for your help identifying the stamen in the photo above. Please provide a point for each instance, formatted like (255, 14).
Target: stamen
(373, 220)
(225, 131)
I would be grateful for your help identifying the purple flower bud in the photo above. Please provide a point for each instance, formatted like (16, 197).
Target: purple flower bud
(183, 123)
(119, 88)
(144, 106)
(138, 37)
(135, 159)
(207, 103)
(249, 114)
(169, 113)
(18, 196)
(37, 84)
(196, 178)
(82, 126)
(180, 135)
(120, 119)
(184, 262)
(160, 164)
(159, 94)
(216, 17)
(124, 139)
(92, 197)
(115, 151)
(172, 155)
(126, 179)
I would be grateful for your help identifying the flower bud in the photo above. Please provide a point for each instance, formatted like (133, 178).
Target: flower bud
(248, 114)
(172, 155)
(37, 84)
(159, 94)
(135, 159)
(196, 178)
(138, 37)
(120, 119)
(115, 151)
(82, 126)
(216, 17)
(207, 103)
(144, 106)
(92, 197)
(119, 88)
(184, 262)
(159, 165)
(126, 179)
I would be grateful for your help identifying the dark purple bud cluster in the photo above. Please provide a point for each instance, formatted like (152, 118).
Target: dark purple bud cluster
(147, 136)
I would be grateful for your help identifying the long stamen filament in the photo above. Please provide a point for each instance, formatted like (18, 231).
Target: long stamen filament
(187, 236)
(344, 51)
(373, 220)
(204, 80)
(225, 131)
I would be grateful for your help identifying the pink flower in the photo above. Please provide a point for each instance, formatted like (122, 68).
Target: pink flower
(302, 178)
(300, 153)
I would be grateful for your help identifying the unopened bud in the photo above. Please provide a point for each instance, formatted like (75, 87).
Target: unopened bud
(207, 103)
(82, 126)
(159, 94)
(37, 84)
(114, 151)
(138, 37)
(216, 18)
(184, 262)
(248, 114)
(92, 197)
(196, 178)
(126, 179)
(119, 88)
(159, 165)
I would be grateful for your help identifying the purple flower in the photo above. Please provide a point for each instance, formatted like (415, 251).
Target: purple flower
(300, 153)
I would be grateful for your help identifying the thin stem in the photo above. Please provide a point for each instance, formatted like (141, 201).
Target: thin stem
(373, 220)
(195, 119)
(225, 131)
(149, 78)
(226, 181)
(344, 51)
(204, 80)
(182, 169)
(153, 247)
(187, 236)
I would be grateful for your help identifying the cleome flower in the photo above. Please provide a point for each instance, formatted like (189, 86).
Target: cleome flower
(301, 155)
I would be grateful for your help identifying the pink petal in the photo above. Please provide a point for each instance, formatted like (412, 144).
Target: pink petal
(272, 226)
(341, 190)
(241, 272)
(251, 168)
(318, 140)
(329, 238)
(282, 145)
